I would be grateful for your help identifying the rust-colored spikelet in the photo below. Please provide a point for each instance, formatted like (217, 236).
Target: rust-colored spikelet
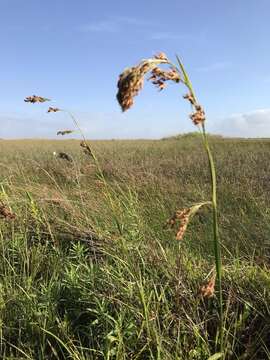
(53, 109)
(198, 117)
(161, 56)
(190, 98)
(183, 217)
(6, 213)
(131, 80)
(64, 132)
(160, 76)
(35, 99)
(208, 290)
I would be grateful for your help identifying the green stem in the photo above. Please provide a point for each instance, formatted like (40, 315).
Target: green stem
(217, 249)
(216, 240)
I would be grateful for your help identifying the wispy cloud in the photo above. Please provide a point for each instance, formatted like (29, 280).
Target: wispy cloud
(216, 66)
(112, 25)
(251, 124)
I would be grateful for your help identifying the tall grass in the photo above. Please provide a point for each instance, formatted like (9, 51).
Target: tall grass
(73, 287)
(130, 83)
(88, 271)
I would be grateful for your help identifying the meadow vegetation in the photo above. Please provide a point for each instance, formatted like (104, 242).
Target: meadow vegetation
(87, 275)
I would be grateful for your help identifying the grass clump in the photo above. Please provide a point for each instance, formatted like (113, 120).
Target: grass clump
(73, 287)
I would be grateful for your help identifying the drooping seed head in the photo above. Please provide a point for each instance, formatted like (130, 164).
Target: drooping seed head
(160, 76)
(183, 218)
(131, 80)
(64, 132)
(35, 99)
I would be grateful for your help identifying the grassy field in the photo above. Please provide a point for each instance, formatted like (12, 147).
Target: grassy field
(91, 272)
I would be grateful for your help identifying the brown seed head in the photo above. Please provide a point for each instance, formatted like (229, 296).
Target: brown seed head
(35, 99)
(159, 77)
(181, 216)
(208, 290)
(161, 56)
(131, 80)
(198, 117)
(52, 109)
(64, 132)
(190, 98)
(6, 213)
(86, 148)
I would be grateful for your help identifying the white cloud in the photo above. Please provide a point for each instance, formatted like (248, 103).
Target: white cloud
(251, 124)
(101, 125)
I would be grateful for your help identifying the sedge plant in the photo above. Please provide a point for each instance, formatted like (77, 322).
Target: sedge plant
(129, 84)
(87, 150)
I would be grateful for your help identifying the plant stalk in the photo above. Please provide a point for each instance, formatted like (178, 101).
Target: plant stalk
(216, 240)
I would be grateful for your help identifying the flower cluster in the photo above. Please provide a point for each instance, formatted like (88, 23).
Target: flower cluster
(160, 76)
(198, 116)
(208, 290)
(181, 216)
(35, 99)
(131, 80)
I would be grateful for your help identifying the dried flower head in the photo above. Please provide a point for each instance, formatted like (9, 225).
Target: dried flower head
(198, 117)
(52, 109)
(131, 80)
(208, 290)
(160, 76)
(161, 56)
(183, 217)
(190, 98)
(6, 213)
(35, 99)
(64, 132)
(86, 148)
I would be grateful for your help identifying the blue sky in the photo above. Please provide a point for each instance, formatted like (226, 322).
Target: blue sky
(73, 52)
